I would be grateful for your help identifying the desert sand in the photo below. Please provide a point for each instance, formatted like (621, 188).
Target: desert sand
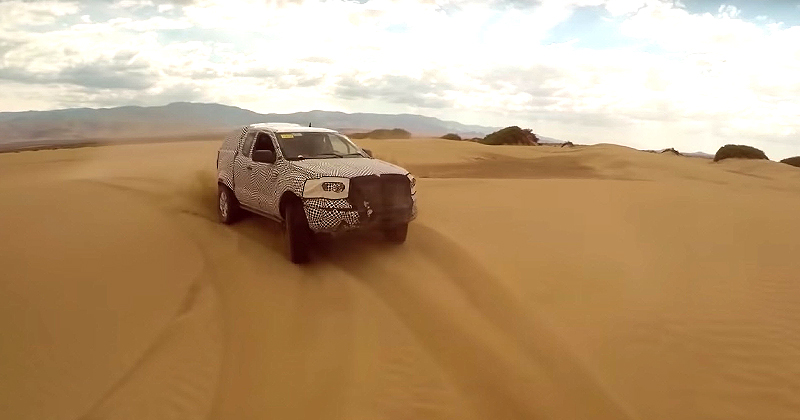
(593, 282)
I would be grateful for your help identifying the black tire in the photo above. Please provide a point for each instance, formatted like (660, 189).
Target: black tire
(227, 206)
(396, 234)
(297, 233)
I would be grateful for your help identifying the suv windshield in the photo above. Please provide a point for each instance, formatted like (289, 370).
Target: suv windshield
(305, 145)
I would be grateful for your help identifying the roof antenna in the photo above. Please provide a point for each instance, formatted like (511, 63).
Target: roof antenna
(309, 124)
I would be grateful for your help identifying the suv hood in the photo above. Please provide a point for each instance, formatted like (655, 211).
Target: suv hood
(348, 167)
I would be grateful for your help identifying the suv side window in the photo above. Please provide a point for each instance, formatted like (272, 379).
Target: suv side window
(248, 143)
(264, 142)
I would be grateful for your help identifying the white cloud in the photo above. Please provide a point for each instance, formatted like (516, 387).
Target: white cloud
(704, 78)
(16, 13)
(132, 4)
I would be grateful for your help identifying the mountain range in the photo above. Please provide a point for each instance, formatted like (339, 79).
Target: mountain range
(184, 118)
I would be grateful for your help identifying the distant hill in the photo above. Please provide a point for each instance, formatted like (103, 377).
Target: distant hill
(700, 155)
(672, 151)
(183, 118)
(549, 140)
(383, 133)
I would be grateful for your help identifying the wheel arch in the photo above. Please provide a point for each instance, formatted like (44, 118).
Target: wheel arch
(286, 198)
(225, 183)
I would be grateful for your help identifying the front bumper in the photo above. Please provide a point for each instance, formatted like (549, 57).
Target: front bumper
(332, 216)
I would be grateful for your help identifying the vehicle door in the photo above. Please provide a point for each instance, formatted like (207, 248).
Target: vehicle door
(243, 172)
(265, 175)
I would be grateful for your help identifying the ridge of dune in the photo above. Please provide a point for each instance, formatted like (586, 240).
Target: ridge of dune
(594, 282)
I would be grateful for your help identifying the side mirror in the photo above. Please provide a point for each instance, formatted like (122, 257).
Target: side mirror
(368, 152)
(264, 156)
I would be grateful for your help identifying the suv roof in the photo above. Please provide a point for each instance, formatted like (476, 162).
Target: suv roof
(289, 128)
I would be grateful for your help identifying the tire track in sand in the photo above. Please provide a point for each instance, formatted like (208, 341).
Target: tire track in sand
(505, 362)
(177, 376)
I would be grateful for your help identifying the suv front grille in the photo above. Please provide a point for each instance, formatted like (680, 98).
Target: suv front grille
(385, 197)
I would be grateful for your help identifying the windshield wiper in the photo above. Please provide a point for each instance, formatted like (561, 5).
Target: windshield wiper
(333, 154)
(339, 155)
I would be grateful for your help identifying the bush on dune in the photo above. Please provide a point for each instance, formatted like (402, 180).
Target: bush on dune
(740, 152)
(512, 135)
(383, 134)
(451, 136)
(794, 161)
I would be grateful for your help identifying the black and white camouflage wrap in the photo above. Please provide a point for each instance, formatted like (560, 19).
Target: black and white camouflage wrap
(349, 167)
(260, 186)
(226, 154)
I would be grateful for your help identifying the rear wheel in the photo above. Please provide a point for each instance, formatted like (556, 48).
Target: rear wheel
(297, 233)
(227, 206)
(396, 234)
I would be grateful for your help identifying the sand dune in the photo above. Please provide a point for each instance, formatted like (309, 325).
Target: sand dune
(584, 283)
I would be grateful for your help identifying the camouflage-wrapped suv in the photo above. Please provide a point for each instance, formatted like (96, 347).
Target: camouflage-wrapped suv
(311, 180)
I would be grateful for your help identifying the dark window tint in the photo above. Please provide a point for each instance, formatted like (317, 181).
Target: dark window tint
(248, 143)
(264, 142)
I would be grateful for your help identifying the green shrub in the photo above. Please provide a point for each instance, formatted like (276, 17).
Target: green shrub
(511, 135)
(383, 134)
(794, 161)
(451, 136)
(739, 151)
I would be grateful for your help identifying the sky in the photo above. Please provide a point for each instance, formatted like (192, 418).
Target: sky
(689, 74)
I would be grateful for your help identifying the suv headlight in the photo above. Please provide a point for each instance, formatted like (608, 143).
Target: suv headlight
(327, 187)
(413, 182)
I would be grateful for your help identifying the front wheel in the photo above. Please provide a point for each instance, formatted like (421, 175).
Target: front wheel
(227, 206)
(297, 233)
(396, 234)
